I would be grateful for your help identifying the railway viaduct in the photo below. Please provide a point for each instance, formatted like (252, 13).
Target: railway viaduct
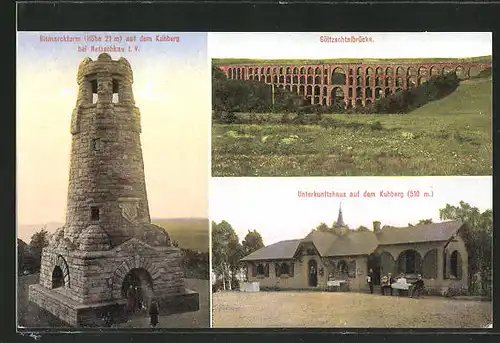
(351, 84)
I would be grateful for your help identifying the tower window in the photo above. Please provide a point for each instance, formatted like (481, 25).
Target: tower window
(96, 144)
(94, 91)
(116, 98)
(94, 213)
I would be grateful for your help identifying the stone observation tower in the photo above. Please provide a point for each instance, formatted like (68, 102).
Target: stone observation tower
(108, 243)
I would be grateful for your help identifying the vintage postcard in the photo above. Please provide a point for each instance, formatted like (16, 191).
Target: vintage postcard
(351, 104)
(352, 252)
(112, 179)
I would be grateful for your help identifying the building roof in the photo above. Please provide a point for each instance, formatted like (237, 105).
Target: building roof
(281, 250)
(435, 232)
(359, 242)
(321, 240)
(354, 243)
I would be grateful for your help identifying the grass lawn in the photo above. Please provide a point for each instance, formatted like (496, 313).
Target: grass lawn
(352, 310)
(189, 233)
(451, 136)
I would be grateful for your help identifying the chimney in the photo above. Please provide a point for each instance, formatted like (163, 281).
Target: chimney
(376, 227)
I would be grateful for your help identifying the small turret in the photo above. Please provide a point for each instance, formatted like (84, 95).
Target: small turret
(340, 228)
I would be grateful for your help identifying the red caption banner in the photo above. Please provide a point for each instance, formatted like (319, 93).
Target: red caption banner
(411, 193)
(109, 42)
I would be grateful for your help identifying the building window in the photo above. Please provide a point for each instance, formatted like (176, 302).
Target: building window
(429, 265)
(455, 265)
(94, 213)
(94, 91)
(96, 144)
(342, 267)
(116, 88)
(409, 262)
(284, 269)
(260, 269)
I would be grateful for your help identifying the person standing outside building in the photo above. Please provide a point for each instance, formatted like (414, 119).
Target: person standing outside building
(418, 287)
(369, 279)
(153, 313)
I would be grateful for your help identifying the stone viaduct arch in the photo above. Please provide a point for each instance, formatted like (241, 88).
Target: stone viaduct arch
(360, 84)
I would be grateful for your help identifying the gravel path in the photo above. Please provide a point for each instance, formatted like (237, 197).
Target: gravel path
(325, 309)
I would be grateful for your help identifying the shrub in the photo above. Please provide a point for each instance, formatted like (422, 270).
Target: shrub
(456, 291)
(377, 126)
(196, 264)
(408, 100)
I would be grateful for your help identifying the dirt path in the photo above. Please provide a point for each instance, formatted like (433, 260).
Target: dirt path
(323, 309)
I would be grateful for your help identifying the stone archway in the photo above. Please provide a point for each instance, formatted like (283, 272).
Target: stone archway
(374, 264)
(387, 264)
(140, 282)
(133, 263)
(62, 272)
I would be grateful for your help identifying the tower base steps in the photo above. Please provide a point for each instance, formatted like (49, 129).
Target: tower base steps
(96, 315)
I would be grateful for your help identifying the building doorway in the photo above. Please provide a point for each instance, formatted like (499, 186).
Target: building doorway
(313, 273)
(137, 288)
(57, 277)
(374, 264)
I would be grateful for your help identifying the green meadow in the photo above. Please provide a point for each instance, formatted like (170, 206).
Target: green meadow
(191, 234)
(450, 136)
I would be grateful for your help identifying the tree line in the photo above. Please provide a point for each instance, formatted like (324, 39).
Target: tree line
(227, 251)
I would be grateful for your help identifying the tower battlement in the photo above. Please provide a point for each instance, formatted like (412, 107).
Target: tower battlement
(105, 81)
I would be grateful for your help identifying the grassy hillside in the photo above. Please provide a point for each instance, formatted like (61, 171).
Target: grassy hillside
(451, 136)
(220, 61)
(189, 233)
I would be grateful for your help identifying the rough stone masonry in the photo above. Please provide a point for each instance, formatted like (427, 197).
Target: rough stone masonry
(108, 242)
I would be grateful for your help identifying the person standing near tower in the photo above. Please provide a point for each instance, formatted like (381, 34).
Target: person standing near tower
(153, 313)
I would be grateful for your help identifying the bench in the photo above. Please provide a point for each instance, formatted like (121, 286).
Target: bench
(402, 288)
(336, 285)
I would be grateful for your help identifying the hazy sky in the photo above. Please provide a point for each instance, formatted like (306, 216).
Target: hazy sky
(383, 45)
(172, 90)
(273, 208)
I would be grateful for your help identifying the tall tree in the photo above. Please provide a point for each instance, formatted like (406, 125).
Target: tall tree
(24, 259)
(252, 242)
(39, 240)
(226, 251)
(478, 235)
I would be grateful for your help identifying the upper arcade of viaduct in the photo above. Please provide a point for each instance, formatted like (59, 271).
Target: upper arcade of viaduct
(352, 84)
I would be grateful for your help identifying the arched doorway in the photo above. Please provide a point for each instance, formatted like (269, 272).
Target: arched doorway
(313, 273)
(57, 277)
(139, 284)
(374, 264)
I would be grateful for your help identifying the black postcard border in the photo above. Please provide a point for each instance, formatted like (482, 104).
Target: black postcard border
(233, 17)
